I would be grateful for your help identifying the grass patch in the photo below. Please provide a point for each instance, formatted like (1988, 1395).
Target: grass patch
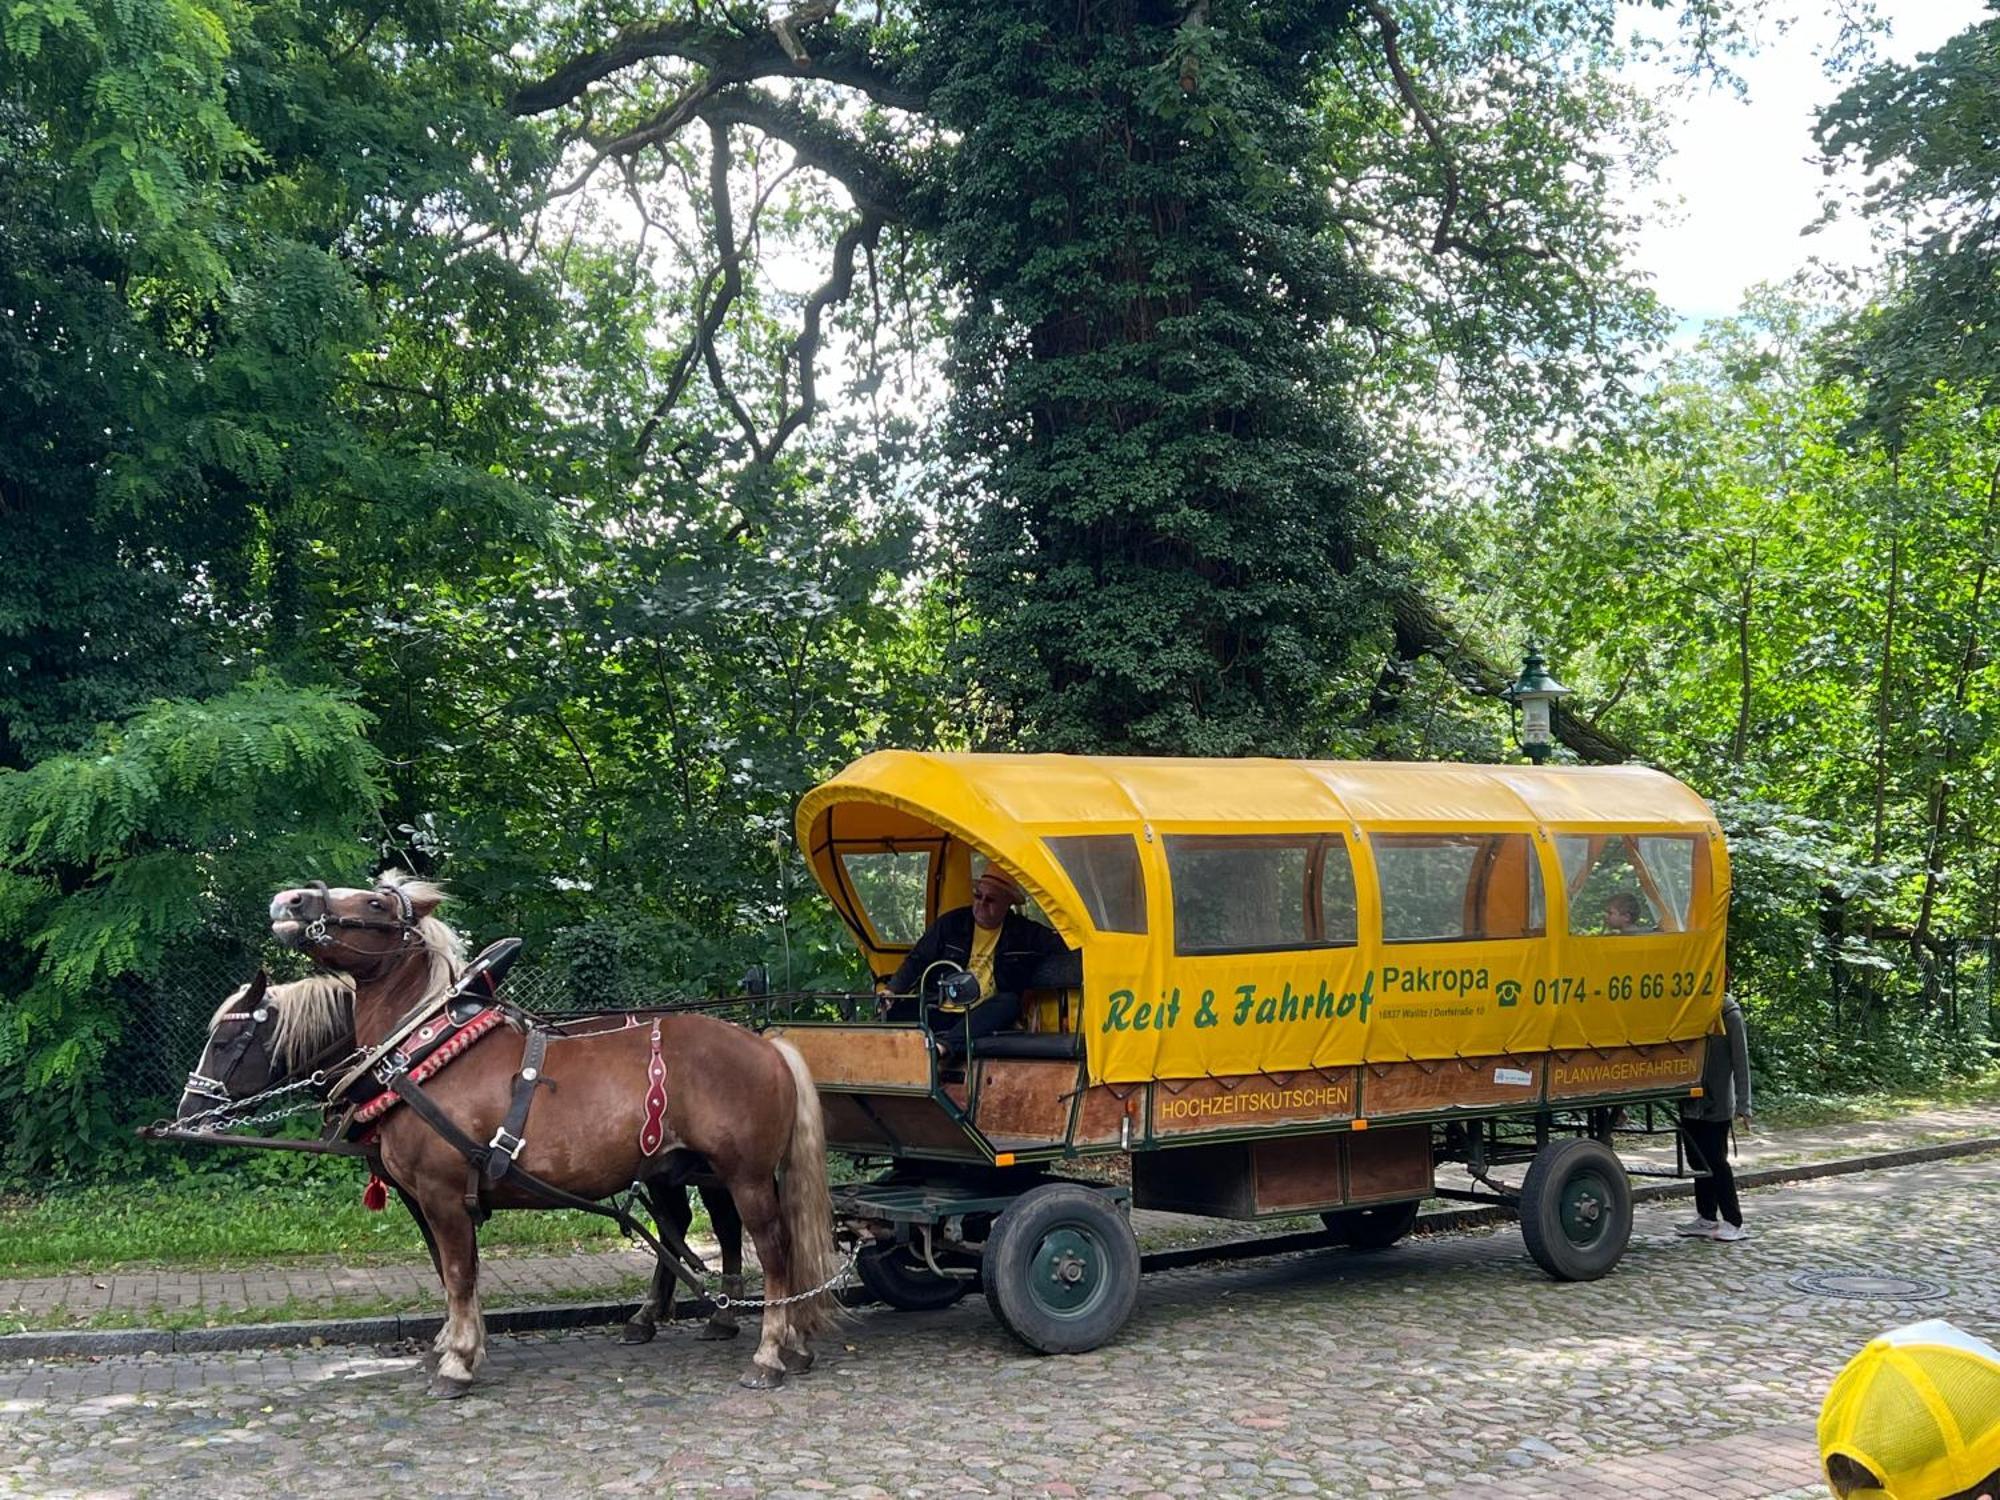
(221, 1221)
(1804, 1111)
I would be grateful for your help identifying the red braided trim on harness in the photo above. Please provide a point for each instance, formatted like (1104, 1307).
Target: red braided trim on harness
(451, 1047)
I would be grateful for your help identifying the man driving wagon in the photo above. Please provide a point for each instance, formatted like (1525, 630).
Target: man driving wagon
(994, 942)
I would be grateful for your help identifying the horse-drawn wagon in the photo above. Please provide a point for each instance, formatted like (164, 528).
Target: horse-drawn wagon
(1292, 988)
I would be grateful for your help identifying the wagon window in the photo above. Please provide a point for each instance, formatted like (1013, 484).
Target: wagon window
(1670, 861)
(1650, 877)
(890, 888)
(1104, 868)
(1255, 894)
(1450, 887)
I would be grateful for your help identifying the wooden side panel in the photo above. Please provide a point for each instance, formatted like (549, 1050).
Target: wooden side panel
(1206, 1105)
(861, 1057)
(1387, 1165)
(1104, 1107)
(1213, 1180)
(1413, 1088)
(890, 1122)
(1661, 1067)
(1297, 1172)
(1025, 1099)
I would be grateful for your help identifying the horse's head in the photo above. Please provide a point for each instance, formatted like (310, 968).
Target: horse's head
(357, 931)
(261, 1037)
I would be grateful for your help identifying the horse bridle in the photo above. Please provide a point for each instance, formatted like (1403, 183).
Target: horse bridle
(318, 932)
(205, 1087)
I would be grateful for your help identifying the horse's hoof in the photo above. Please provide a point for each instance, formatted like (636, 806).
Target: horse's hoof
(636, 1332)
(797, 1362)
(712, 1331)
(757, 1378)
(444, 1388)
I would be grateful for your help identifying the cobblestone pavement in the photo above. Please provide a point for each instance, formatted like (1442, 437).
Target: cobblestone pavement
(319, 1286)
(1447, 1365)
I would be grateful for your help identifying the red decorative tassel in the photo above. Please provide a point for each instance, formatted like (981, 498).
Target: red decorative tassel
(375, 1197)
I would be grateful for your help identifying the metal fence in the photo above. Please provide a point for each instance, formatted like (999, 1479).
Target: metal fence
(166, 1019)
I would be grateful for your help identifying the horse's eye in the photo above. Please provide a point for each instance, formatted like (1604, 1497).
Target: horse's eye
(374, 903)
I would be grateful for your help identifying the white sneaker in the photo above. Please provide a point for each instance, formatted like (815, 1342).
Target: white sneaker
(1697, 1229)
(1729, 1232)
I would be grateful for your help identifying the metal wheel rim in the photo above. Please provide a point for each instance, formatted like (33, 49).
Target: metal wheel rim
(1584, 1208)
(1066, 1274)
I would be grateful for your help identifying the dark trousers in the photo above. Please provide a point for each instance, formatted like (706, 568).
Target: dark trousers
(957, 1028)
(1708, 1151)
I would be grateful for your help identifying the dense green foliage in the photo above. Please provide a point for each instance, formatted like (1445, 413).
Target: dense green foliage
(425, 436)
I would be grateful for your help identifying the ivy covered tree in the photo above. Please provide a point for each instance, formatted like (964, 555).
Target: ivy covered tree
(1165, 231)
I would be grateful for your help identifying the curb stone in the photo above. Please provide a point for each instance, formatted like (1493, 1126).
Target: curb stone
(394, 1328)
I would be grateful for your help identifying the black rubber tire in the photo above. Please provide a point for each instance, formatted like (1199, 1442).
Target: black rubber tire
(1576, 1209)
(1374, 1228)
(1061, 1269)
(897, 1275)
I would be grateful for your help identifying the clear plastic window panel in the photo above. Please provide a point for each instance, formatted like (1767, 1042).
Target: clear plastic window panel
(1238, 895)
(891, 888)
(1105, 870)
(1441, 888)
(1339, 913)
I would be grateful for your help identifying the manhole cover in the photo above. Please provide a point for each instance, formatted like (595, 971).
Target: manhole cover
(1867, 1286)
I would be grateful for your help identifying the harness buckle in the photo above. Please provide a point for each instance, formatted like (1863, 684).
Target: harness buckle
(396, 1062)
(506, 1143)
(316, 932)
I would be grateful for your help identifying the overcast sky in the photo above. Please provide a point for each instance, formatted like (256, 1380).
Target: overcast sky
(1745, 173)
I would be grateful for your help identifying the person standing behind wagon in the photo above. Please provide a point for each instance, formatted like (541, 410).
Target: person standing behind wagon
(1725, 1095)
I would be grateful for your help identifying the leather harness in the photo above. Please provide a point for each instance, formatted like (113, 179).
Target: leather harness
(418, 1047)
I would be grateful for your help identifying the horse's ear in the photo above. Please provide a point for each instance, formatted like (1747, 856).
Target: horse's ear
(255, 993)
(423, 895)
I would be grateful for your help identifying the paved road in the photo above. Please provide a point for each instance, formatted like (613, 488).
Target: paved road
(1444, 1366)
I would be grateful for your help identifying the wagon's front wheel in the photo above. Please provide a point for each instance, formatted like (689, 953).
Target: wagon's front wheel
(1576, 1209)
(1061, 1268)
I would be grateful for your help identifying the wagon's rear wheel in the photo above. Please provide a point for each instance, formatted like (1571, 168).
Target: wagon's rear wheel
(1061, 1269)
(898, 1276)
(1576, 1209)
(1375, 1228)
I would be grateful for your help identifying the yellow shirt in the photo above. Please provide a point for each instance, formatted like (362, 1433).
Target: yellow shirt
(985, 942)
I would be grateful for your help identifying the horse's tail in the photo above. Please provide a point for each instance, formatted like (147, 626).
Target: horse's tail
(804, 1202)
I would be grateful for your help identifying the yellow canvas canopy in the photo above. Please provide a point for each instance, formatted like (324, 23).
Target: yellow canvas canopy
(1272, 916)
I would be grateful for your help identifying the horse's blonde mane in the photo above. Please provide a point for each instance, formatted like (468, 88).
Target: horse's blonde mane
(445, 947)
(311, 1013)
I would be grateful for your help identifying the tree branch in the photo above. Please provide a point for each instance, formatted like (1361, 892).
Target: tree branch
(879, 186)
(1422, 631)
(842, 57)
(805, 348)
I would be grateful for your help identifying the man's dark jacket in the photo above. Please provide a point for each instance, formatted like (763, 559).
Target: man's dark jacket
(1017, 961)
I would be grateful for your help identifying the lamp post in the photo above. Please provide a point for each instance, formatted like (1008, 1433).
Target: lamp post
(1534, 693)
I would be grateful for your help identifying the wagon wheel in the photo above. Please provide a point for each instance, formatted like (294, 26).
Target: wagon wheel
(1375, 1228)
(1576, 1209)
(898, 1276)
(1061, 1269)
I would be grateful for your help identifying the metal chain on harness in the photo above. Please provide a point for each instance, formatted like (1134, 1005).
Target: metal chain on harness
(229, 1114)
(723, 1299)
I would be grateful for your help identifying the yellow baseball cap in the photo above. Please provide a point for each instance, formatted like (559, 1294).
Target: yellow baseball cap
(1919, 1408)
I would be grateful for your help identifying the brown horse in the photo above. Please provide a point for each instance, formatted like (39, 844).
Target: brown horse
(744, 1104)
(256, 1046)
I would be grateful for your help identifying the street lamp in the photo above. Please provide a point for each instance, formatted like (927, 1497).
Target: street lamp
(1534, 692)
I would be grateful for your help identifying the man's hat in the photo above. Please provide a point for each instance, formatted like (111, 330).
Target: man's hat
(1009, 886)
(1919, 1408)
